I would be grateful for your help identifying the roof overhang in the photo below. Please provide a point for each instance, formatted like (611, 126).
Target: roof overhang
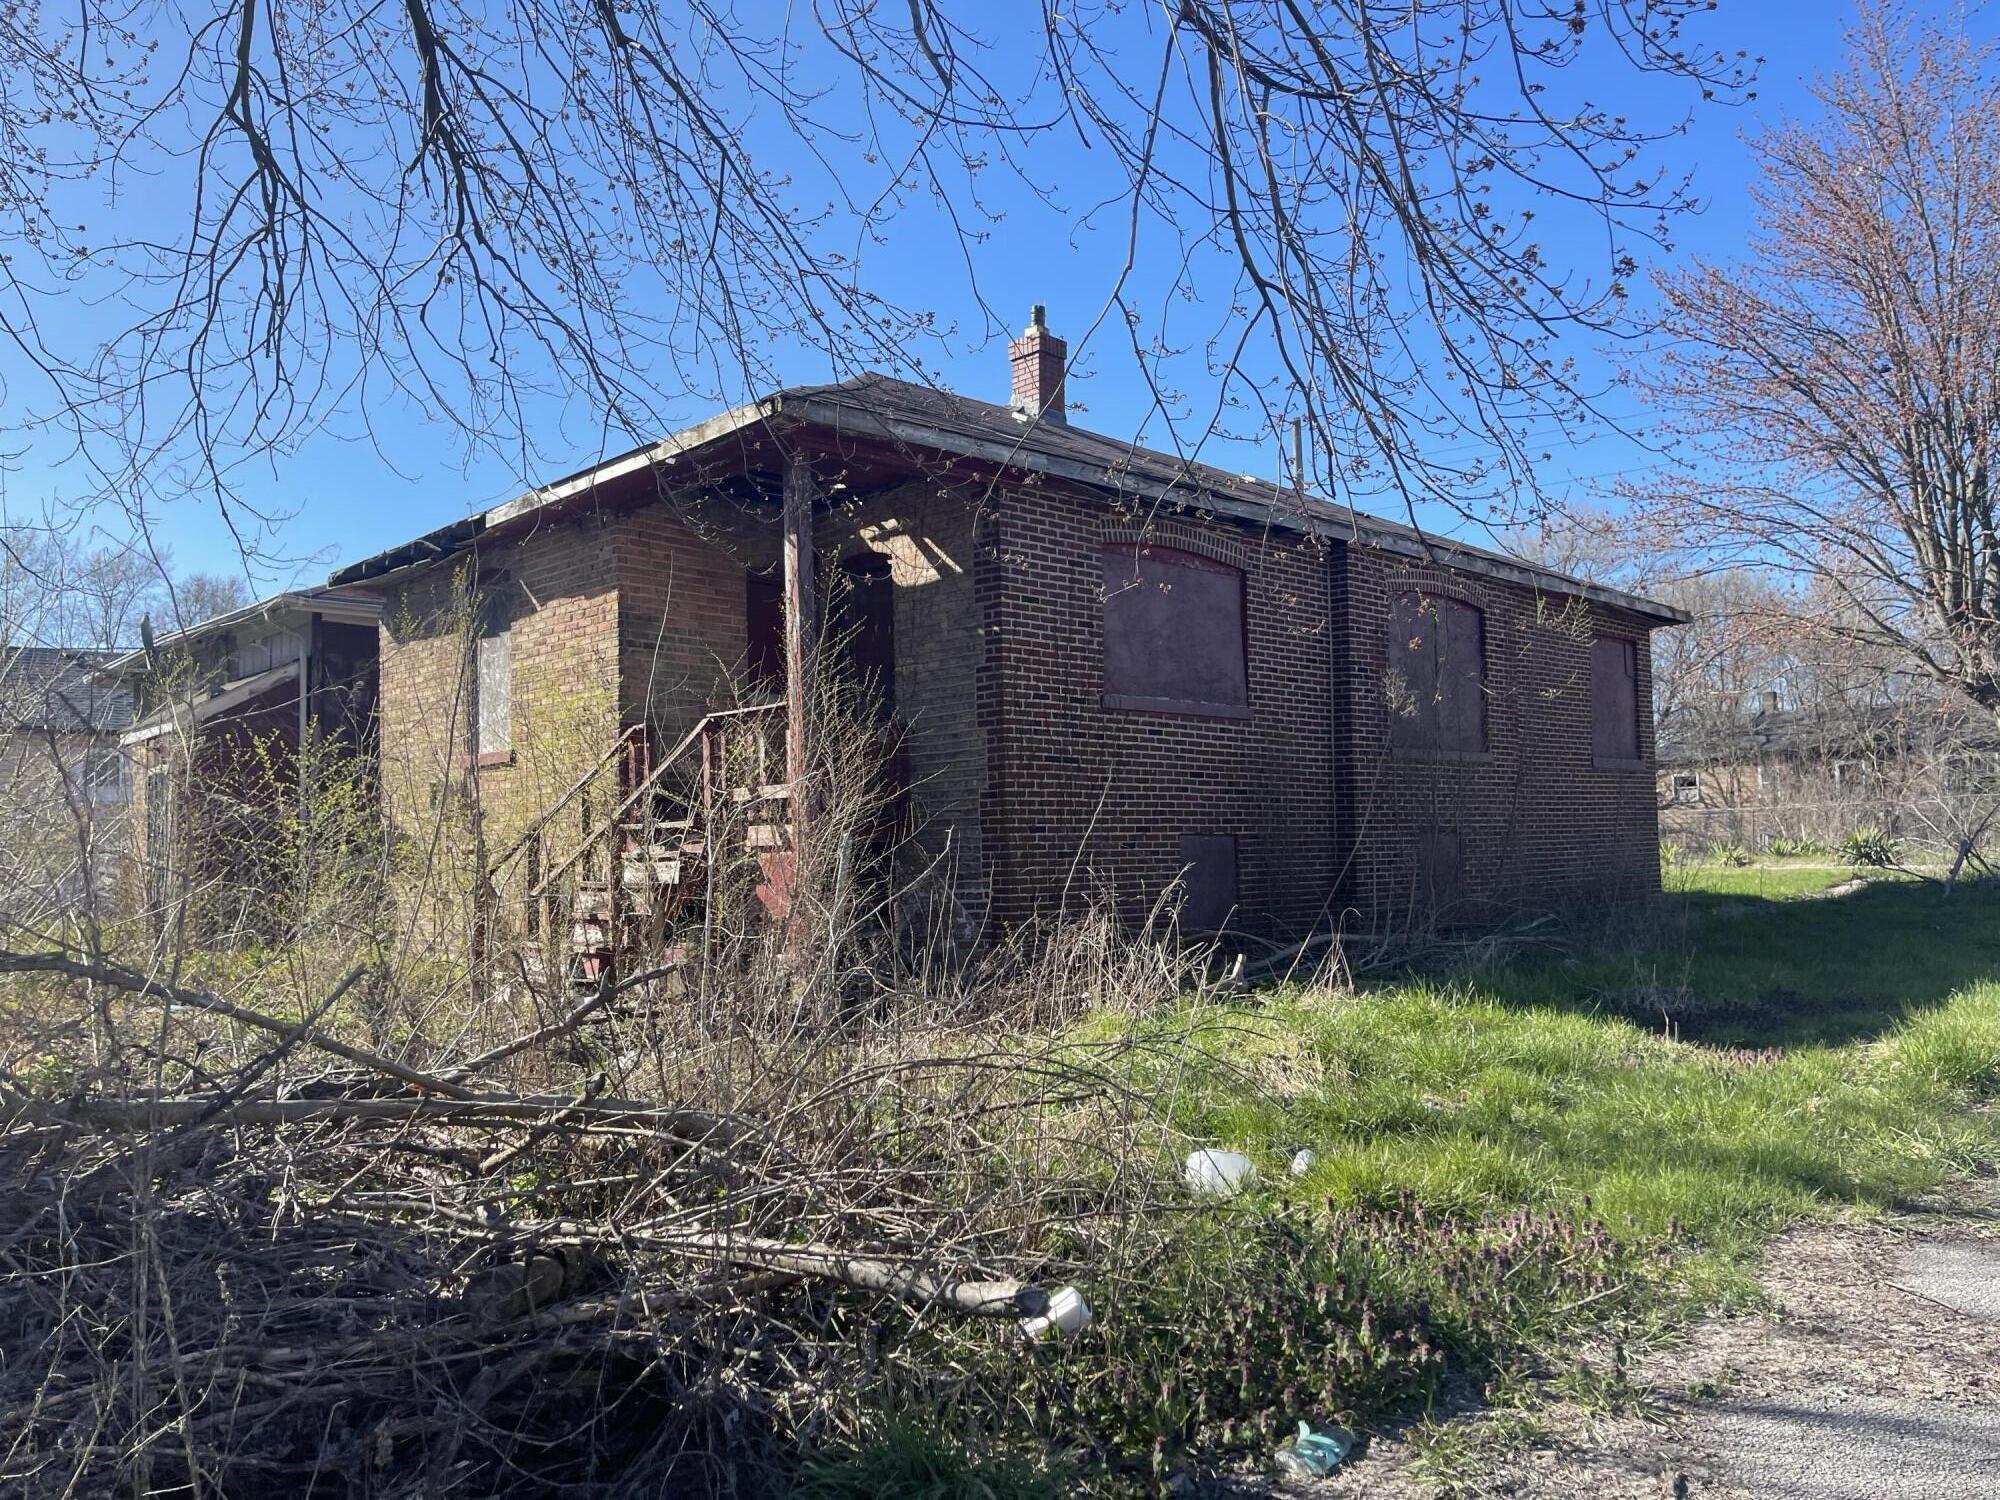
(230, 695)
(815, 408)
(343, 607)
(1323, 519)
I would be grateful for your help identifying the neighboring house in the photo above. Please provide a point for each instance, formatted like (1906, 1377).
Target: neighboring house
(1110, 671)
(1910, 768)
(221, 711)
(64, 785)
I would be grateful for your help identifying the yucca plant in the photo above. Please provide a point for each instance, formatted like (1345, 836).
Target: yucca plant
(1870, 848)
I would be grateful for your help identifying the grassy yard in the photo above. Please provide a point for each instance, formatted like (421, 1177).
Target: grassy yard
(1682, 1086)
(1769, 878)
(1515, 1164)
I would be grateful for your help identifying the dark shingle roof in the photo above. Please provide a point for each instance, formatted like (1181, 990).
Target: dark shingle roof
(919, 417)
(53, 688)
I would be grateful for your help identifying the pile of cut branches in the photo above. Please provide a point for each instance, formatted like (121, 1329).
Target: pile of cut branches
(349, 1271)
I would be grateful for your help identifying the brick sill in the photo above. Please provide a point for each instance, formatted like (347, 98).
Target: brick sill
(487, 759)
(1602, 763)
(1174, 708)
(1442, 757)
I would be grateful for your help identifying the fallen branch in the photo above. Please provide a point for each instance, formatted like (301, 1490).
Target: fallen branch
(153, 1114)
(140, 984)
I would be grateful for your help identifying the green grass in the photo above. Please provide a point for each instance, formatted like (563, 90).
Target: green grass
(903, 1461)
(1514, 1163)
(1859, 1032)
(1539, 1083)
(1771, 879)
(1480, 1107)
(1767, 971)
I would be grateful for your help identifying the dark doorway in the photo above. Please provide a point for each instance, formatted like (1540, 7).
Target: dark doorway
(864, 630)
(764, 629)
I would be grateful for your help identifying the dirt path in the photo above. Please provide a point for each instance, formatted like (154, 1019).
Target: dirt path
(1874, 1375)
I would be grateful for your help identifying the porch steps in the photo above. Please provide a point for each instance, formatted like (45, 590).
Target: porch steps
(616, 894)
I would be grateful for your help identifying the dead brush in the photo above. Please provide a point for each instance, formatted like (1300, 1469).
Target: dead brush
(660, 1234)
(441, 1228)
(329, 1268)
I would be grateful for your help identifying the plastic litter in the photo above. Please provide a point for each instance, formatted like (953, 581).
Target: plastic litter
(1220, 1174)
(1310, 1455)
(1067, 1314)
(1304, 1162)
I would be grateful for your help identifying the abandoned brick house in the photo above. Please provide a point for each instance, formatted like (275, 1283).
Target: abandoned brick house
(223, 712)
(63, 784)
(1110, 670)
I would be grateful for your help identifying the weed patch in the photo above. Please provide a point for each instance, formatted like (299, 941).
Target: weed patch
(1506, 1170)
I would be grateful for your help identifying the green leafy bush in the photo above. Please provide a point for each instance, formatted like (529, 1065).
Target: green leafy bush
(1870, 848)
(1356, 1316)
(1730, 854)
(1782, 847)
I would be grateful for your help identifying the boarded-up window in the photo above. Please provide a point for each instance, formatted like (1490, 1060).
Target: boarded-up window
(1437, 671)
(1173, 632)
(162, 828)
(493, 692)
(1208, 880)
(1614, 699)
(1440, 870)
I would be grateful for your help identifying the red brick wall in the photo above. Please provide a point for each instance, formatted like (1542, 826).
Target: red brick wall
(1324, 814)
(554, 587)
(1086, 799)
(1534, 818)
(1035, 789)
(681, 639)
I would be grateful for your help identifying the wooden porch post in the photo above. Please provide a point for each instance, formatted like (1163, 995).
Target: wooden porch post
(799, 635)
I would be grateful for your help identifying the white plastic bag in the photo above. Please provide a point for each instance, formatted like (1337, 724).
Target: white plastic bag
(1219, 1174)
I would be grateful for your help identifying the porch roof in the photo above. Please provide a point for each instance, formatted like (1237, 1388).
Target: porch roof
(225, 697)
(347, 607)
(911, 419)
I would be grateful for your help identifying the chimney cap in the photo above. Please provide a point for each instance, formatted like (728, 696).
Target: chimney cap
(1038, 316)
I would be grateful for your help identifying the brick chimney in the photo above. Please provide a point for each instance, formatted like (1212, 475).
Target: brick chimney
(1038, 357)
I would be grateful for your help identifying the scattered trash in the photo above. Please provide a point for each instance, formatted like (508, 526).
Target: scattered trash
(1220, 1174)
(1067, 1314)
(1304, 1162)
(1310, 1455)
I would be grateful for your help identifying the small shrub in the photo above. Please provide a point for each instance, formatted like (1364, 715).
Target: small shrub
(1870, 849)
(1783, 847)
(1731, 854)
(1344, 1321)
(906, 1460)
(1670, 854)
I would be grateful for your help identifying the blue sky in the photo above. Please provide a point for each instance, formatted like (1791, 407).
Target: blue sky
(348, 496)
